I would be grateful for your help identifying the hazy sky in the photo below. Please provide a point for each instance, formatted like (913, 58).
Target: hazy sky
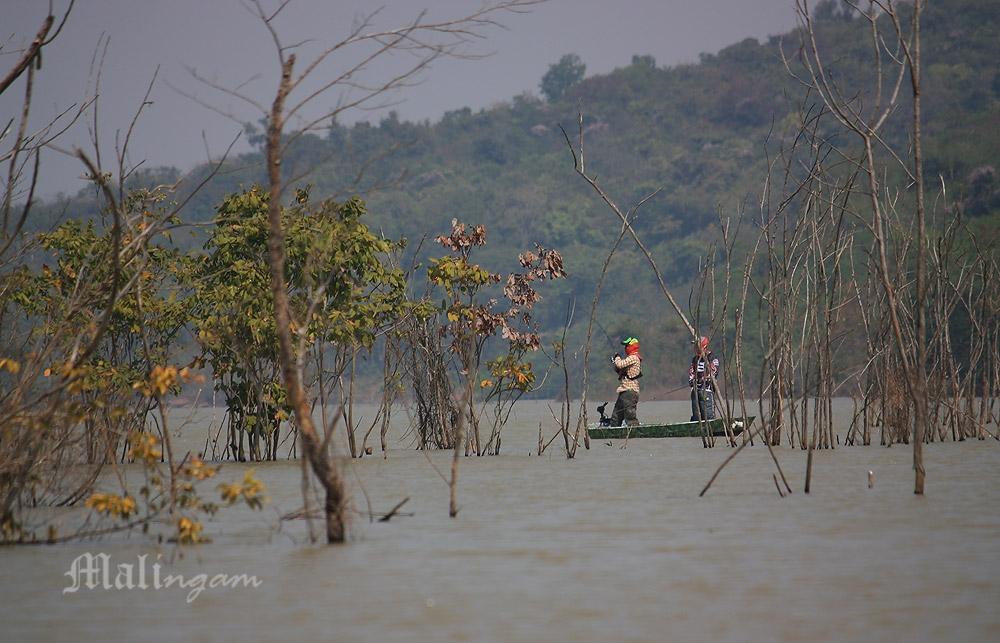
(224, 42)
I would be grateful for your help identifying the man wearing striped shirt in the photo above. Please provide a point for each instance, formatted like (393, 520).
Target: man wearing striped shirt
(702, 374)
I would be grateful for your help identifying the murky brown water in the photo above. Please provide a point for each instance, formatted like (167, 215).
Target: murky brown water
(615, 545)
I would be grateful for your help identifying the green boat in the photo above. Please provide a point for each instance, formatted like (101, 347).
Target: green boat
(671, 430)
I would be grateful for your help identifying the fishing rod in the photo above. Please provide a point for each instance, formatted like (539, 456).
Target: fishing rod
(614, 345)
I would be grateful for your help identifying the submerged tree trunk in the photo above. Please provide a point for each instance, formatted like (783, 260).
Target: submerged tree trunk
(920, 372)
(322, 465)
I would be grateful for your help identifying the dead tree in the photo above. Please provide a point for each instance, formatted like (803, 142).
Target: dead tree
(868, 125)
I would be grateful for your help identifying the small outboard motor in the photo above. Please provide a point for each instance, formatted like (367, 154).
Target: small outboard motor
(605, 420)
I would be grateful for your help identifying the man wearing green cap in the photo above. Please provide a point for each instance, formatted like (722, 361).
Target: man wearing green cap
(629, 369)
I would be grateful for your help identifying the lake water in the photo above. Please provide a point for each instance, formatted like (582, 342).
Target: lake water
(614, 545)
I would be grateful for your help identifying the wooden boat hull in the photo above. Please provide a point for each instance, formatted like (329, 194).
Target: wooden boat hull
(672, 430)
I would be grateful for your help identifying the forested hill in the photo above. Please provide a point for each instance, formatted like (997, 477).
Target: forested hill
(697, 131)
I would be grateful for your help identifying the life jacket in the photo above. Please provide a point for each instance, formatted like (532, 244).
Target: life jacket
(629, 352)
(622, 374)
(700, 367)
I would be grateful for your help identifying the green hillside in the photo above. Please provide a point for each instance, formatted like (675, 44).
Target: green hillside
(697, 131)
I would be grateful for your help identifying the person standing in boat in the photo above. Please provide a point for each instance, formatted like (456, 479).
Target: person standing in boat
(629, 369)
(702, 374)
